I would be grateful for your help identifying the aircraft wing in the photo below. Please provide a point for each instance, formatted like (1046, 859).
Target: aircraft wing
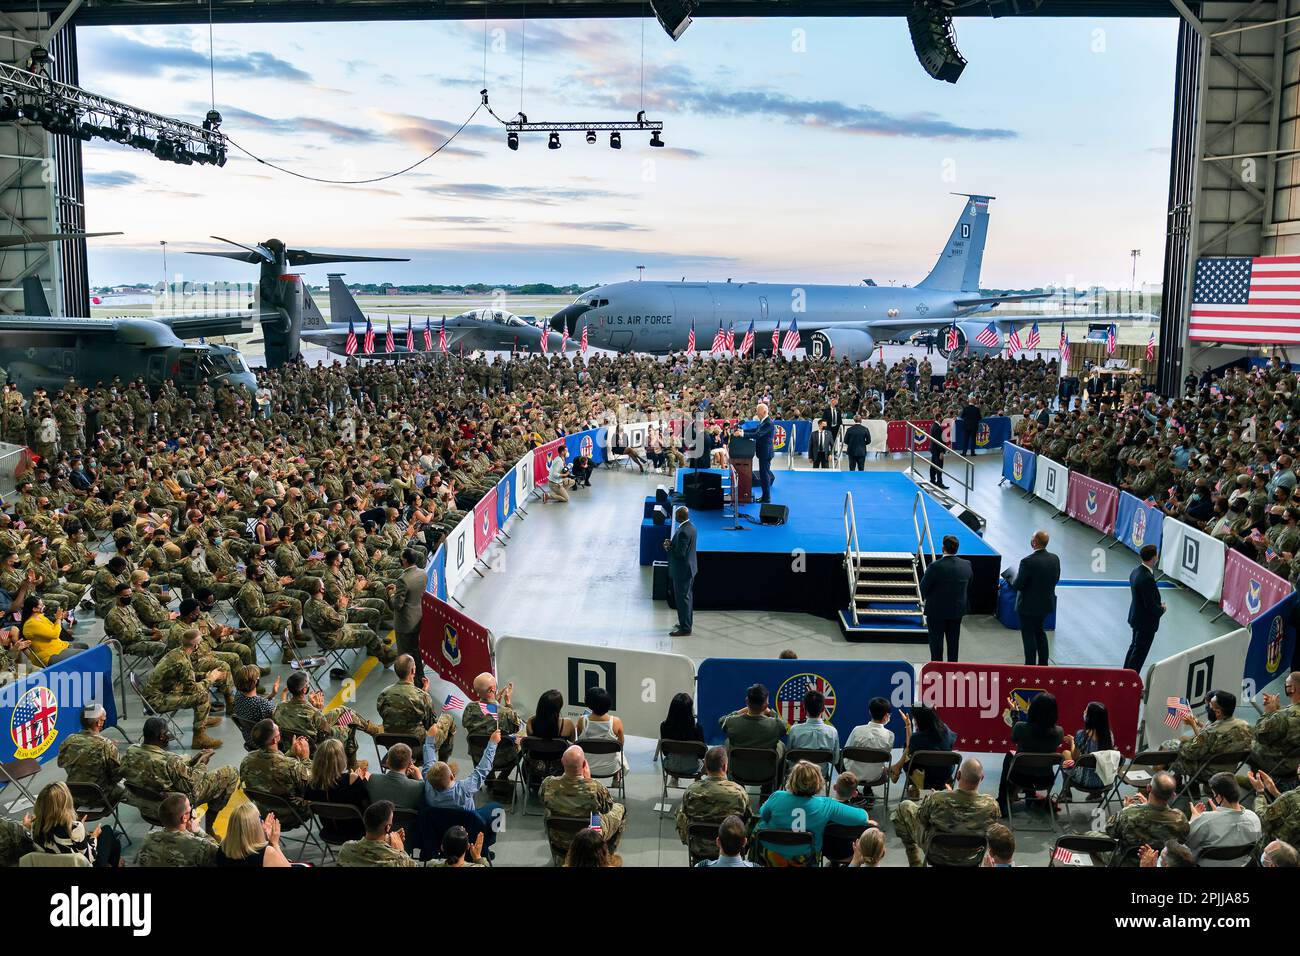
(996, 299)
(198, 324)
(43, 323)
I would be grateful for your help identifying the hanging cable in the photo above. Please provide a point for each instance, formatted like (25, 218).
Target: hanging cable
(642, 55)
(358, 182)
(212, 59)
(523, 45)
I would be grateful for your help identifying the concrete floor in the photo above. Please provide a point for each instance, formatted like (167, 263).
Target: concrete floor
(570, 572)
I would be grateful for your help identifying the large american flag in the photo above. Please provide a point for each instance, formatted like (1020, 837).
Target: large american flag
(442, 336)
(747, 342)
(776, 337)
(690, 340)
(789, 701)
(1243, 299)
(953, 339)
(564, 337)
(1065, 348)
(388, 337)
(410, 336)
(428, 335)
(34, 718)
(368, 344)
(988, 336)
(791, 340)
(584, 340)
(1034, 339)
(1013, 341)
(719, 340)
(1110, 339)
(1151, 346)
(350, 344)
(731, 338)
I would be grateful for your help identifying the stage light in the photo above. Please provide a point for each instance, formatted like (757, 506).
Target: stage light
(673, 15)
(615, 140)
(930, 23)
(8, 109)
(554, 141)
(591, 136)
(655, 140)
(163, 149)
(221, 157)
(512, 139)
(212, 121)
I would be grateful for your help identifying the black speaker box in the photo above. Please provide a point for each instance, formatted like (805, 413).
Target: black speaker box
(702, 490)
(773, 514)
(659, 585)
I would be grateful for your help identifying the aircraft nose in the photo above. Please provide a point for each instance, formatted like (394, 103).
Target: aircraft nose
(568, 318)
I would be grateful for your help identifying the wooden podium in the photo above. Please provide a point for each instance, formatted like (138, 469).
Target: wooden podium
(741, 452)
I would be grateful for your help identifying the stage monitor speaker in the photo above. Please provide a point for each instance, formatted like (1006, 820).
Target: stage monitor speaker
(972, 521)
(659, 585)
(773, 514)
(702, 490)
(661, 495)
(660, 514)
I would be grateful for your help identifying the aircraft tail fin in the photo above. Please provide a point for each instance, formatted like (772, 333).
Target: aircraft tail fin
(34, 301)
(958, 268)
(343, 308)
(311, 314)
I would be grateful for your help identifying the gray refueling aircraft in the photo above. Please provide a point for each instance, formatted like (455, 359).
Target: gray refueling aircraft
(833, 320)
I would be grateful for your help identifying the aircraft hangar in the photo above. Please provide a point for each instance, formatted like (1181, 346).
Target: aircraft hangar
(1235, 132)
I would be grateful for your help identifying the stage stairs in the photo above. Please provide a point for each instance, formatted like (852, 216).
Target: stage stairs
(885, 587)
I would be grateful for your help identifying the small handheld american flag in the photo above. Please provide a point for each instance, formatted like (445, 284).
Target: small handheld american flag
(453, 703)
(1062, 855)
(489, 709)
(350, 345)
(346, 718)
(1176, 709)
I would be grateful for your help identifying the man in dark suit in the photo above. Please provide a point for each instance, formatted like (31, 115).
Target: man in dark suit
(819, 446)
(943, 589)
(1035, 586)
(834, 416)
(936, 454)
(682, 567)
(1145, 608)
(856, 439)
(970, 420)
(764, 435)
(408, 610)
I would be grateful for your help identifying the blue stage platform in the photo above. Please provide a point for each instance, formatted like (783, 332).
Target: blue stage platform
(753, 567)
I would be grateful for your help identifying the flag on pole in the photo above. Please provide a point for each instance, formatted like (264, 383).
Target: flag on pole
(1151, 346)
(1033, 341)
(731, 339)
(1013, 341)
(368, 343)
(747, 342)
(791, 340)
(428, 335)
(953, 339)
(388, 337)
(564, 337)
(542, 342)
(1110, 339)
(690, 339)
(988, 336)
(719, 340)
(350, 345)
(410, 336)
(1175, 709)
(1065, 348)
(442, 335)
(584, 340)
(776, 337)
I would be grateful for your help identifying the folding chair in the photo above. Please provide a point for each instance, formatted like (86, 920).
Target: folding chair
(1029, 762)
(1137, 773)
(498, 787)
(142, 798)
(92, 804)
(261, 639)
(15, 772)
(871, 755)
(36, 858)
(681, 748)
(1098, 796)
(974, 844)
(388, 741)
(561, 827)
(537, 748)
(818, 757)
(150, 711)
(924, 761)
(761, 766)
(838, 837)
(245, 727)
(1092, 845)
(324, 810)
(617, 778)
(708, 832)
(785, 838)
(290, 816)
(1229, 762)
(1241, 855)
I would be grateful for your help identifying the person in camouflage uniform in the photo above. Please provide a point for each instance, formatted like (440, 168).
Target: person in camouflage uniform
(334, 632)
(477, 723)
(711, 799)
(1279, 812)
(152, 766)
(268, 770)
(191, 618)
(575, 794)
(341, 584)
(963, 810)
(89, 757)
(257, 613)
(223, 638)
(124, 626)
(173, 686)
(148, 608)
(180, 843)
(103, 589)
(407, 709)
(1148, 820)
(15, 842)
(58, 596)
(302, 716)
(382, 845)
(1206, 752)
(71, 552)
(1277, 732)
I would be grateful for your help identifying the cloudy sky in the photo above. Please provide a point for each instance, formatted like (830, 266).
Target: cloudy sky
(798, 150)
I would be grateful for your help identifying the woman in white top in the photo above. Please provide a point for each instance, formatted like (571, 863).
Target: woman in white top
(600, 724)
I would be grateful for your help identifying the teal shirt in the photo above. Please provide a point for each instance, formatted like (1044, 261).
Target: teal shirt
(779, 811)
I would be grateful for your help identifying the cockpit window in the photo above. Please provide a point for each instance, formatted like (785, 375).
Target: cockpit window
(188, 367)
(604, 302)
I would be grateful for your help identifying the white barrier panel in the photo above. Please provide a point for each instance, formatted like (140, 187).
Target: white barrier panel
(524, 481)
(1192, 557)
(879, 430)
(640, 682)
(460, 552)
(1217, 664)
(635, 435)
(1051, 482)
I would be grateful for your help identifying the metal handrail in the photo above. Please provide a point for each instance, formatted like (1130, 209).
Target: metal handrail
(967, 481)
(851, 552)
(922, 538)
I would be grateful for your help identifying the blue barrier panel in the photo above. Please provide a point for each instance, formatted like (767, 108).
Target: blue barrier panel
(40, 711)
(435, 573)
(1138, 523)
(1019, 465)
(992, 433)
(1272, 644)
(506, 491)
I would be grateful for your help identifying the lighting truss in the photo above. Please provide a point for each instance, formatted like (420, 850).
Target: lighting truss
(523, 126)
(71, 111)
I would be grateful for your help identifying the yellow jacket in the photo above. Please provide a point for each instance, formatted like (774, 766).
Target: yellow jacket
(47, 639)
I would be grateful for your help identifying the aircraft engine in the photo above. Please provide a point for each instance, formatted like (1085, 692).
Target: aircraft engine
(853, 344)
(966, 333)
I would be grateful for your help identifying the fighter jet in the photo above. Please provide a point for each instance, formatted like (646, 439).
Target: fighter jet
(486, 329)
(838, 321)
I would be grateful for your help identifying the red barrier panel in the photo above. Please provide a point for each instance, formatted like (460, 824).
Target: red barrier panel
(454, 645)
(896, 434)
(542, 456)
(1249, 589)
(1092, 502)
(980, 702)
(485, 522)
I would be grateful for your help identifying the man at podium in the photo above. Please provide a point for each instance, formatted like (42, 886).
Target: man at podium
(764, 434)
